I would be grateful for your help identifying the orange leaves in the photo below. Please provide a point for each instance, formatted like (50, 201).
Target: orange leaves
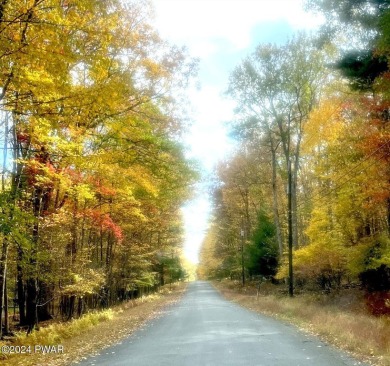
(107, 224)
(376, 143)
(40, 173)
(22, 137)
(346, 150)
(103, 221)
(101, 188)
(106, 191)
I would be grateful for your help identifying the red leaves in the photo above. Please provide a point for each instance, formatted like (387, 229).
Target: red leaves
(109, 225)
(376, 138)
(101, 189)
(379, 145)
(378, 302)
(103, 221)
(23, 137)
(40, 173)
(105, 191)
(75, 175)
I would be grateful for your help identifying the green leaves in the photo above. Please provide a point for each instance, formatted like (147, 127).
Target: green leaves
(262, 252)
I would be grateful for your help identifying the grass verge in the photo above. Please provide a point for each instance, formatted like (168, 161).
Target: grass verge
(364, 336)
(70, 342)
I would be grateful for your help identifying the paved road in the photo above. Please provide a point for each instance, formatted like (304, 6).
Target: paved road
(205, 329)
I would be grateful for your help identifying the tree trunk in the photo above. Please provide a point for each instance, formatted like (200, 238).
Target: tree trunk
(32, 295)
(297, 154)
(80, 307)
(72, 300)
(3, 287)
(45, 296)
(294, 204)
(31, 283)
(279, 234)
(21, 290)
(31, 304)
(6, 318)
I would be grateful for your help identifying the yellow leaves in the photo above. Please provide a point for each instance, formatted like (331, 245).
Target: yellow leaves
(142, 177)
(87, 282)
(327, 258)
(83, 192)
(210, 262)
(349, 185)
(16, 36)
(99, 172)
(153, 69)
(370, 253)
(324, 126)
(33, 77)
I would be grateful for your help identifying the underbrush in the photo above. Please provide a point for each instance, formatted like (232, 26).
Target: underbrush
(53, 334)
(56, 332)
(339, 319)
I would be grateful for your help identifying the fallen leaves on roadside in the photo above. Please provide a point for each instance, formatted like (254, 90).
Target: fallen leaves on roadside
(127, 319)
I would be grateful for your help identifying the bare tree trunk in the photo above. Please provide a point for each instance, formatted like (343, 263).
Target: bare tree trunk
(279, 234)
(294, 204)
(247, 215)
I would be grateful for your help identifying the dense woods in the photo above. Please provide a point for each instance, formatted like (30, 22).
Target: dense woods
(92, 173)
(315, 109)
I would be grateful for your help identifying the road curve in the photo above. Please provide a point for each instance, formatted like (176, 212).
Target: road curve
(205, 329)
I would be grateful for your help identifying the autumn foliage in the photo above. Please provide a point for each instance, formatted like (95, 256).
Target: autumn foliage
(92, 174)
(327, 122)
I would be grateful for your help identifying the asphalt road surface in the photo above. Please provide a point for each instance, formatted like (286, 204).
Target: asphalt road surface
(205, 329)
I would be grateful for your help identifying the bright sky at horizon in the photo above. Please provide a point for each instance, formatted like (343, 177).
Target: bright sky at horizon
(220, 33)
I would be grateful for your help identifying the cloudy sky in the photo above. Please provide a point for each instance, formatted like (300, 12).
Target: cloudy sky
(220, 33)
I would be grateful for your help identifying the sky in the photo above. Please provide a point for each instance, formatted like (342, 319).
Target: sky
(220, 33)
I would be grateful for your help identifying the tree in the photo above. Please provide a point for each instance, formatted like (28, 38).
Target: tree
(210, 263)
(263, 250)
(90, 91)
(364, 22)
(276, 88)
(347, 203)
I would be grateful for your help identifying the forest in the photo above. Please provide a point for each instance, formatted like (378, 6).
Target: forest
(93, 173)
(305, 199)
(94, 170)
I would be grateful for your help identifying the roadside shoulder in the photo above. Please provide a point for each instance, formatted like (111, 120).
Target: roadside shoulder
(364, 336)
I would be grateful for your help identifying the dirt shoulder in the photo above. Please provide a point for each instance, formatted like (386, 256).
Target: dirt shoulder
(127, 318)
(364, 336)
